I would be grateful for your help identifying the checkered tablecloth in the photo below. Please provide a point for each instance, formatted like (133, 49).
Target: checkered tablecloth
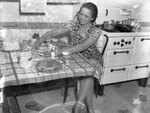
(11, 73)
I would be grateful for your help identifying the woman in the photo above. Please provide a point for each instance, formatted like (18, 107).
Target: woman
(84, 36)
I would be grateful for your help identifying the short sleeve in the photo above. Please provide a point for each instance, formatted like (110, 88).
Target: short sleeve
(69, 25)
(95, 33)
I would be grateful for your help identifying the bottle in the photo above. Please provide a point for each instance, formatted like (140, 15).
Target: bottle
(35, 36)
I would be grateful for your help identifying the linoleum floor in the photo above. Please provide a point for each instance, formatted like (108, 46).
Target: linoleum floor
(126, 97)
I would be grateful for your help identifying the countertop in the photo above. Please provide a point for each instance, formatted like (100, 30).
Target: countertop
(125, 34)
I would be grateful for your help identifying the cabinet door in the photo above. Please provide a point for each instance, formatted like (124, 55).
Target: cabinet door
(142, 50)
(118, 57)
(118, 43)
(139, 71)
(115, 74)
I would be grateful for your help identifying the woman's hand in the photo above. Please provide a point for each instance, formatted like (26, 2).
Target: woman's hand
(58, 51)
(61, 43)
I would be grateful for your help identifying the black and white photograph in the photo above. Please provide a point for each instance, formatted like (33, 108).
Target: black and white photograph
(74, 56)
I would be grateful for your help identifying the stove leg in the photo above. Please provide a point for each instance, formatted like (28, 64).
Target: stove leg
(142, 82)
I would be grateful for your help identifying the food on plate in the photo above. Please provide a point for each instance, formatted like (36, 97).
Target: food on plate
(48, 65)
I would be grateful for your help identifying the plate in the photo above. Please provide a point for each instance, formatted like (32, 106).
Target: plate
(48, 65)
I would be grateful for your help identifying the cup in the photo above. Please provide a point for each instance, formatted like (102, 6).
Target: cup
(67, 57)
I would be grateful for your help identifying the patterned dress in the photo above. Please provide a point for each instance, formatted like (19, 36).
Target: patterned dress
(91, 53)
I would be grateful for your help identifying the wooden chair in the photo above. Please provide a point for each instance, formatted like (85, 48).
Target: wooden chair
(102, 44)
(99, 89)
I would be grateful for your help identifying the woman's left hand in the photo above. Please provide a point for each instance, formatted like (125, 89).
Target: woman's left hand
(61, 44)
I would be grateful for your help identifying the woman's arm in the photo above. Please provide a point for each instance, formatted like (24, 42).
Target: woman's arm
(79, 47)
(55, 33)
(93, 37)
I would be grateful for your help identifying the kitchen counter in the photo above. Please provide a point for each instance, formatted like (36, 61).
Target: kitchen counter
(126, 34)
(127, 57)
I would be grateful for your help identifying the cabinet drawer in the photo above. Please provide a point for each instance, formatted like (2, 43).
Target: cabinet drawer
(139, 71)
(118, 57)
(142, 50)
(115, 74)
(125, 42)
(141, 58)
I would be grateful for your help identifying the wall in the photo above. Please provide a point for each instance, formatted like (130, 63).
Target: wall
(143, 11)
(140, 10)
(15, 25)
(10, 12)
(20, 26)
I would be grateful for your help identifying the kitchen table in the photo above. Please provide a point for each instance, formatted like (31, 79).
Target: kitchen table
(11, 73)
(13, 77)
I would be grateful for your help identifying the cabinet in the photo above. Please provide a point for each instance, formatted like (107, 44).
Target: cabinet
(138, 71)
(127, 57)
(141, 50)
(140, 65)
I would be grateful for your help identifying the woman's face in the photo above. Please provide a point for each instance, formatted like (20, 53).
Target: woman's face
(85, 16)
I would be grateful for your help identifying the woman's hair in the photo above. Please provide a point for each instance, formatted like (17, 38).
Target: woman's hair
(91, 6)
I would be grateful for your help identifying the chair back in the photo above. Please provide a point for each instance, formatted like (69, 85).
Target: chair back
(102, 43)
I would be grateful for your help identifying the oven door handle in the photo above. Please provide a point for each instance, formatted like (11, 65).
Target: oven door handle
(121, 69)
(146, 66)
(142, 39)
(115, 52)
